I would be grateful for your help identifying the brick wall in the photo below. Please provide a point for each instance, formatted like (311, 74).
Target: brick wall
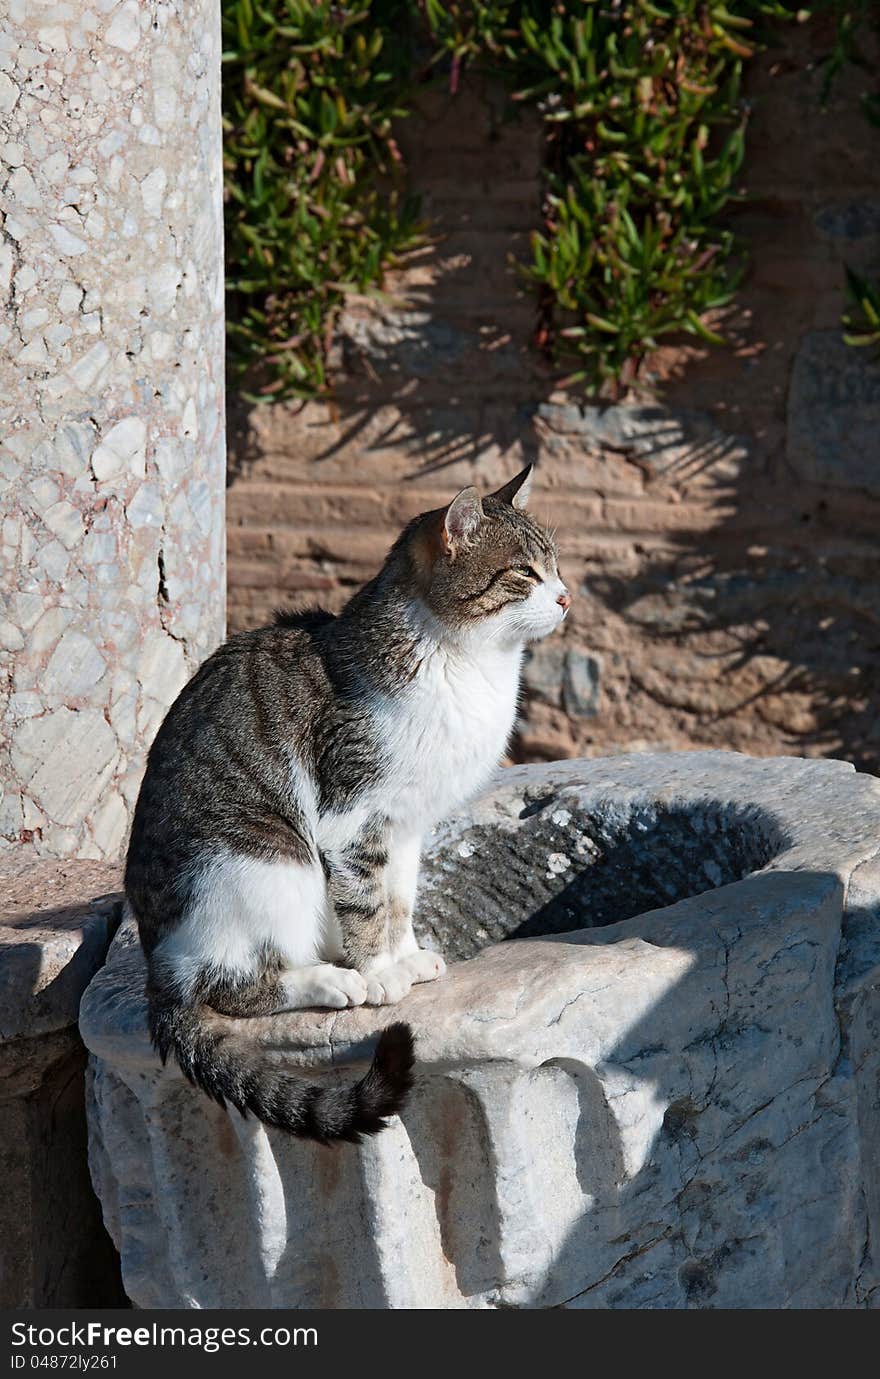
(722, 541)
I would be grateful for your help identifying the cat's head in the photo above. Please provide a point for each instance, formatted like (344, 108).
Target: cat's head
(485, 566)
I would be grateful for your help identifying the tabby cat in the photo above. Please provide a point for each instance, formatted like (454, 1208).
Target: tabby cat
(275, 846)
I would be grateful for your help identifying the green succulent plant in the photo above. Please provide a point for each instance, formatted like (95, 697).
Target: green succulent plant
(644, 141)
(316, 206)
(862, 322)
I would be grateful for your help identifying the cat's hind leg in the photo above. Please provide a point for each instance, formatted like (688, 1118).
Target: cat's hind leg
(254, 940)
(276, 989)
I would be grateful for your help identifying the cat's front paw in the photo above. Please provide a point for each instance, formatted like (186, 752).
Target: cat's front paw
(387, 985)
(423, 965)
(323, 985)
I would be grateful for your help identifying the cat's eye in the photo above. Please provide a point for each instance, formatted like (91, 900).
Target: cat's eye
(529, 571)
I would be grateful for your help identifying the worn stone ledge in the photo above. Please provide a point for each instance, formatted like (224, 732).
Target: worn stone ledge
(56, 923)
(674, 1109)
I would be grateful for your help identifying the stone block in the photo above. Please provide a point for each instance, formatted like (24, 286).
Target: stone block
(648, 1079)
(580, 684)
(665, 442)
(543, 669)
(54, 1250)
(853, 227)
(834, 414)
(557, 674)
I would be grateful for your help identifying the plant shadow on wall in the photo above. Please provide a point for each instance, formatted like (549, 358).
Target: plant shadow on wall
(762, 628)
(772, 633)
(441, 374)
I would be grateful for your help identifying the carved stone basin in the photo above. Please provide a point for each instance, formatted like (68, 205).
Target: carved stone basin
(650, 1081)
(562, 863)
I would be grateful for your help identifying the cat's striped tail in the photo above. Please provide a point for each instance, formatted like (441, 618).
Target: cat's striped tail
(229, 1070)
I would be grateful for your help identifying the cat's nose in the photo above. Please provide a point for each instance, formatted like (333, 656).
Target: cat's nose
(564, 600)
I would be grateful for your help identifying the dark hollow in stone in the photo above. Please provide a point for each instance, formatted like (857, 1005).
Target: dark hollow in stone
(607, 862)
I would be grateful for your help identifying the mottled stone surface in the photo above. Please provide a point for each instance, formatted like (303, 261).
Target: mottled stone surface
(834, 414)
(674, 1108)
(56, 922)
(111, 400)
(853, 227)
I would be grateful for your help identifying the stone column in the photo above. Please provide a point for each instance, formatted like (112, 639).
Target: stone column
(112, 463)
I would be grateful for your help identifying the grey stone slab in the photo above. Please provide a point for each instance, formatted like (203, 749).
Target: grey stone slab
(834, 414)
(580, 684)
(665, 440)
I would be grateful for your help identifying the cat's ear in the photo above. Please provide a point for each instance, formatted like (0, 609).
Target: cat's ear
(461, 520)
(516, 492)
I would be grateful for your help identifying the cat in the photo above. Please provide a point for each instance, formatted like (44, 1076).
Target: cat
(274, 850)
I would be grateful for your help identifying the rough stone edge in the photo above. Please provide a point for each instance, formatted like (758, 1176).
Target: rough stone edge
(68, 912)
(324, 1038)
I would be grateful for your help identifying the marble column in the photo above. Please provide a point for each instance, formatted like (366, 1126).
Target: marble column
(112, 458)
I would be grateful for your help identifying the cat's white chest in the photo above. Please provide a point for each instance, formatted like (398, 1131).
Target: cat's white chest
(448, 733)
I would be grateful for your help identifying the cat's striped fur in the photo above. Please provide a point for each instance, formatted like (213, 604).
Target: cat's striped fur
(275, 845)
